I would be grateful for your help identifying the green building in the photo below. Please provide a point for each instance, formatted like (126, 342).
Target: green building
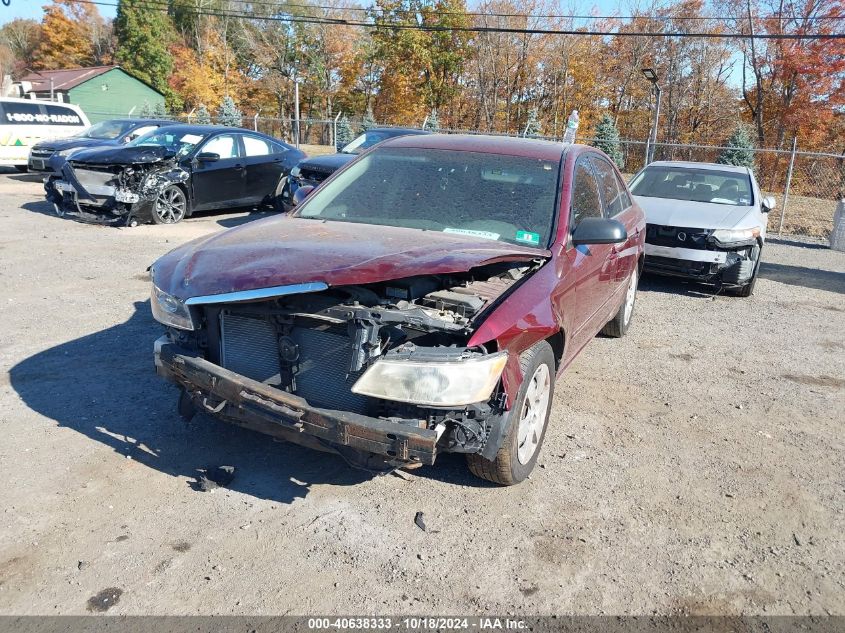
(103, 92)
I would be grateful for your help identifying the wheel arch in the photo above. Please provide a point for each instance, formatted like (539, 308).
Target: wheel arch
(558, 345)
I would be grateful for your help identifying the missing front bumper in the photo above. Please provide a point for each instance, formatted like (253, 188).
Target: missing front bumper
(116, 207)
(720, 267)
(249, 403)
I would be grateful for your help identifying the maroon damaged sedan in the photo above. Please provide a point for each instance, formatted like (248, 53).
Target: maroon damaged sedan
(422, 301)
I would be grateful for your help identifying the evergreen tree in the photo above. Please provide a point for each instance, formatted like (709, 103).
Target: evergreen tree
(344, 133)
(738, 148)
(228, 113)
(203, 115)
(159, 111)
(368, 121)
(532, 125)
(607, 140)
(146, 111)
(143, 33)
(431, 123)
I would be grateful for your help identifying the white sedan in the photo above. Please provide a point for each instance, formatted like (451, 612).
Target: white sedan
(705, 222)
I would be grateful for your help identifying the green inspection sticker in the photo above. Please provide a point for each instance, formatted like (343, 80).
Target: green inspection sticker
(528, 237)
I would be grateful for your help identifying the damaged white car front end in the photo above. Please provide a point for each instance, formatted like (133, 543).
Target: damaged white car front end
(706, 223)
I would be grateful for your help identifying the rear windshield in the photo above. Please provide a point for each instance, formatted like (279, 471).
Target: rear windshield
(366, 141)
(108, 130)
(488, 196)
(696, 184)
(22, 113)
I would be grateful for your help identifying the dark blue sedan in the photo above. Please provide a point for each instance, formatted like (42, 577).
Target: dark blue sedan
(105, 133)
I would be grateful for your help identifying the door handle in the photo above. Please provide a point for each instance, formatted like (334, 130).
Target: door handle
(239, 167)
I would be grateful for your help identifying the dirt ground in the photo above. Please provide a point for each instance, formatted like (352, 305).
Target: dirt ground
(695, 466)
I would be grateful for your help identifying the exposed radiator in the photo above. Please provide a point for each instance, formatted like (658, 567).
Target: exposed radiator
(324, 356)
(250, 348)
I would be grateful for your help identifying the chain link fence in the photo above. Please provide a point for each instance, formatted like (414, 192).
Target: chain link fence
(806, 186)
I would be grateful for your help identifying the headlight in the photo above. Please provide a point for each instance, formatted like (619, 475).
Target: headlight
(729, 236)
(294, 173)
(169, 310)
(66, 152)
(432, 383)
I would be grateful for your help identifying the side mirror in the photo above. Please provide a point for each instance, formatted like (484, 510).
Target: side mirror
(300, 194)
(768, 203)
(599, 231)
(208, 157)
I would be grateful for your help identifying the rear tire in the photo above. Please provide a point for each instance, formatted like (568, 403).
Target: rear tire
(527, 421)
(618, 326)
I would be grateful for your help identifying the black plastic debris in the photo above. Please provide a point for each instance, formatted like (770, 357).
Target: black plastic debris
(215, 477)
(418, 519)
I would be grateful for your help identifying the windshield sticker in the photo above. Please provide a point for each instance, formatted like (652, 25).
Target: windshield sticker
(487, 235)
(191, 138)
(528, 237)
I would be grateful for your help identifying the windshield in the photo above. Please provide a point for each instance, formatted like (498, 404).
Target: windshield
(365, 141)
(181, 143)
(696, 184)
(489, 196)
(107, 130)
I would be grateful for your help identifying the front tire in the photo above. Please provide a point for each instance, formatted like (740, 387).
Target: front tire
(748, 289)
(22, 168)
(171, 205)
(618, 326)
(528, 420)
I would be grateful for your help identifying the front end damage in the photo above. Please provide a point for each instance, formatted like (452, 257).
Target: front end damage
(698, 254)
(108, 193)
(381, 373)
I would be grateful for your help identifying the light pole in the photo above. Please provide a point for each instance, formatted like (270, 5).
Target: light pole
(296, 109)
(651, 76)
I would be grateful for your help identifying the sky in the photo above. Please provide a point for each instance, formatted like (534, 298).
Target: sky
(33, 9)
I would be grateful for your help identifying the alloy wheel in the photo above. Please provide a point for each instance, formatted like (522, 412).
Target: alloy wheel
(631, 297)
(532, 418)
(170, 205)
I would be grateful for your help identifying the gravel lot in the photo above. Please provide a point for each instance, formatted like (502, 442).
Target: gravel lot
(695, 466)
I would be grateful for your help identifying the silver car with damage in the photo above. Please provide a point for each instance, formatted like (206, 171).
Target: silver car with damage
(705, 222)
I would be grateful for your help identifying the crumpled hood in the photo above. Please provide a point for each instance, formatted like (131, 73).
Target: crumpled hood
(72, 142)
(281, 251)
(694, 215)
(123, 155)
(326, 164)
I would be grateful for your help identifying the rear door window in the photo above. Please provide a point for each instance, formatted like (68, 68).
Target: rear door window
(609, 186)
(623, 192)
(254, 146)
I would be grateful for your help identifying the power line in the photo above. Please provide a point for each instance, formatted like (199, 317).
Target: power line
(164, 7)
(655, 18)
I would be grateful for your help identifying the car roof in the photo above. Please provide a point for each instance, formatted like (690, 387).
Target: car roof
(397, 131)
(197, 128)
(507, 145)
(680, 164)
(142, 121)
